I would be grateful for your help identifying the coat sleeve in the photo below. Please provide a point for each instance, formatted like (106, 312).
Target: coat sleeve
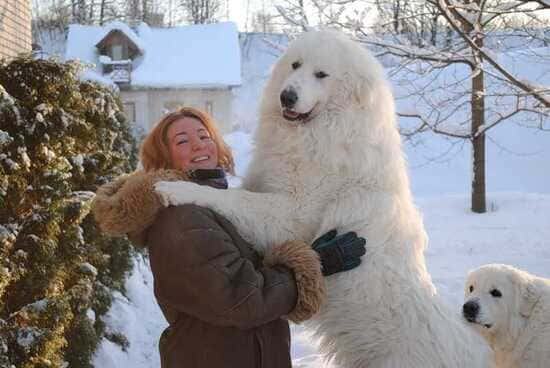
(198, 270)
(129, 203)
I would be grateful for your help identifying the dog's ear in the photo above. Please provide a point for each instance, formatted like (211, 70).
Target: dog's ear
(530, 294)
(355, 89)
(360, 94)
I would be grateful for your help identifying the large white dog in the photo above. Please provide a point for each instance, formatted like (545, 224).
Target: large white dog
(328, 155)
(511, 309)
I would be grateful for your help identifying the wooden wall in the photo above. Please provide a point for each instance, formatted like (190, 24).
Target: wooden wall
(15, 27)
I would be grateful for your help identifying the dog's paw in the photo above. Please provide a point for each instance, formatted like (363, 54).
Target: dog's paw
(167, 192)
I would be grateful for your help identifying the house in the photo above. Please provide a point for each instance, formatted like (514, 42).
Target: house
(159, 69)
(15, 28)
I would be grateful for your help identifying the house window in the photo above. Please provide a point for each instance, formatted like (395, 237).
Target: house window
(116, 52)
(209, 108)
(130, 111)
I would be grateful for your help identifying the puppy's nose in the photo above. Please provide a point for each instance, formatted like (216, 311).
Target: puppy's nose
(470, 310)
(288, 98)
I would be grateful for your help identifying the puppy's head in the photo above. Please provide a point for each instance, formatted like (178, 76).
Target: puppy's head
(497, 298)
(320, 71)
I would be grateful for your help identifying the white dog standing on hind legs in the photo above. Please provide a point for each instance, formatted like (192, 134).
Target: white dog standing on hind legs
(328, 155)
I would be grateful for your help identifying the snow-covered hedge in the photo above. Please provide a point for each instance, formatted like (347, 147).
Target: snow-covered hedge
(60, 139)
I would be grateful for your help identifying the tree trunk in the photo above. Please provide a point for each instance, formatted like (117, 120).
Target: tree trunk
(478, 145)
(478, 142)
(91, 13)
(145, 11)
(81, 12)
(433, 38)
(396, 15)
(102, 12)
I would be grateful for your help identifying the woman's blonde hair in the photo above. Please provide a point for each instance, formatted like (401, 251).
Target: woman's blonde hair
(155, 154)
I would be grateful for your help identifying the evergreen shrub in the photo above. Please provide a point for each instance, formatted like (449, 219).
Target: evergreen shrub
(60, 138)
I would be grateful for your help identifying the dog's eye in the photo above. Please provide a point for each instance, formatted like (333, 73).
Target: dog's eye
(496, 293)
(296, 65)
(471, 289)
(321, 75)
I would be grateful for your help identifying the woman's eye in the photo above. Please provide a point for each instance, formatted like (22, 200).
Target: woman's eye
(205, 137)
(496, 293)
(181, 142)
(296, 65)
(471, 289)
(321, 75)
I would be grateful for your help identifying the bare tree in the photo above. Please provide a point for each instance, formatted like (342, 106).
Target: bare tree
(263, 22)
(102, 7)
(173, 14)
(50, 20)
(201, 11)
(108, 10)
(81, 11)
(480, 106)
(49, 13)
(392, 12)
(294, 14)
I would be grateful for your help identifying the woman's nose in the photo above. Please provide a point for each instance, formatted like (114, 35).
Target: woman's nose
(197, 144)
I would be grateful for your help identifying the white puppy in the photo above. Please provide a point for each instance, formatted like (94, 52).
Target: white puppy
(511, 309)
(328, 156)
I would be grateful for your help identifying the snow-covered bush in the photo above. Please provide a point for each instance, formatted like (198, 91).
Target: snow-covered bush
(60, 138)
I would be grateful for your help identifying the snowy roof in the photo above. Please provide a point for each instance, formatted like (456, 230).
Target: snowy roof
(196, 56)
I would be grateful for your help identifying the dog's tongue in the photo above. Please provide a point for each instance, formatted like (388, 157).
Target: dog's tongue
(291, 114)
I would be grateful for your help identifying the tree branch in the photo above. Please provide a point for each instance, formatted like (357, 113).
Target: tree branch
(484, 55)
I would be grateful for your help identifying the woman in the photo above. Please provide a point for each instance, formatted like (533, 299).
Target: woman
(225, 305)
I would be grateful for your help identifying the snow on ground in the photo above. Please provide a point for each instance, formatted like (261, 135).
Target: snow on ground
(515, 231)
(139, 318)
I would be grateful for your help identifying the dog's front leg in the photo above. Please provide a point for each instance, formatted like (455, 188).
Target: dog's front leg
(264, 219)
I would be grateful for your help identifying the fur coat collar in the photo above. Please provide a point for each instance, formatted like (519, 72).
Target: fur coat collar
(129, 205)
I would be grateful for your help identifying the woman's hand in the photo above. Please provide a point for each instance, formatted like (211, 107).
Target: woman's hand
(339, 253)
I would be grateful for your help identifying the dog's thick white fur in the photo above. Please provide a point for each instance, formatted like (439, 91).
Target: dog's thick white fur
(343, 168)
(514, 314)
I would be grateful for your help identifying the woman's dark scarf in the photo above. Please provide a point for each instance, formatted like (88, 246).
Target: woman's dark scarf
(212, 177)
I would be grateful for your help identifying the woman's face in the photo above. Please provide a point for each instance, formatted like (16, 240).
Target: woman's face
(191, 146)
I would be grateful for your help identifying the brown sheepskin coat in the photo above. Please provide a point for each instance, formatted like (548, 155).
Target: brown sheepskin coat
(226, 307)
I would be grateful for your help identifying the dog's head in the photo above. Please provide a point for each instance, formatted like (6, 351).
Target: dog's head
(498, 299)
(321, 71)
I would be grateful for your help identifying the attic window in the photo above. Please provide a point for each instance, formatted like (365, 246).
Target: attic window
(116, 52)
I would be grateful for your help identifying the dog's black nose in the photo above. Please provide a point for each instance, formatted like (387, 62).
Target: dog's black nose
(288, 98)
(470, 310)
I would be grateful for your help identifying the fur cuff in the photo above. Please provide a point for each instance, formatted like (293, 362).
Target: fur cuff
(129, 204)
(304, 262)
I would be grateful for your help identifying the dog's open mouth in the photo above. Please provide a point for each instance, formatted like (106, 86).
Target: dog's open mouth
(292, 115)
(473, 320)
(470, 319)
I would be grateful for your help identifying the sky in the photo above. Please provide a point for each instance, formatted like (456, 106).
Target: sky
(237, 11)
